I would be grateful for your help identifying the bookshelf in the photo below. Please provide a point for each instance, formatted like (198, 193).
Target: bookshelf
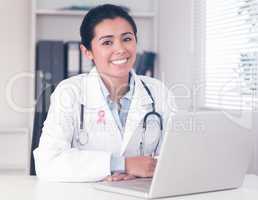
(51, 23)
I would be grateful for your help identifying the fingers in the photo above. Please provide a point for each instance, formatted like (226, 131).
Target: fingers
(115, 177)
(129, 177)
(124, 177)
(110, 177)
(119, 177)
(139, 166)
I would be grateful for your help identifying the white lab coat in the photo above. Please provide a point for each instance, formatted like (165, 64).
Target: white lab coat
(60, 157)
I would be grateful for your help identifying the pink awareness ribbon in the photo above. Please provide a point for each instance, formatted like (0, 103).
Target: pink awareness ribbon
(101, 117)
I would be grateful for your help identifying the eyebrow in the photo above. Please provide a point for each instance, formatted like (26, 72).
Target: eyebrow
(110, 36)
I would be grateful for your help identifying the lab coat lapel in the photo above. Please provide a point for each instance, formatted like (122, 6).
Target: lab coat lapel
(92, 98)
(94, 101)
(138, 108)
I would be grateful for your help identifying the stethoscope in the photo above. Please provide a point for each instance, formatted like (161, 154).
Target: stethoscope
(83, 136)
(145, 119)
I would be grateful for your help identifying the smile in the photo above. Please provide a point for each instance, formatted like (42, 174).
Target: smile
(119, 62)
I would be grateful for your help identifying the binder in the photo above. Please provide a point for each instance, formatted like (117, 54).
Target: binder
(146, 64)
(43, 65)
(73, 58)
(137, 63)
(50, 66)
(58, 62)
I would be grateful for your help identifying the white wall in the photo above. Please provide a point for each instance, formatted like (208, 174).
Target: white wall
(14, 52)
(176, 56)
(14, 62)
(254, 167)
(175, 48)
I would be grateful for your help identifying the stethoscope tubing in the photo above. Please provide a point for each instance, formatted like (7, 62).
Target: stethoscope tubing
(153, 112)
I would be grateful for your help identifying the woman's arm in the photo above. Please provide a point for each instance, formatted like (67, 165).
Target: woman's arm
(55, 159)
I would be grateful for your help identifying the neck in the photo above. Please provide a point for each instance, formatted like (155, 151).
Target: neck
(117, 87)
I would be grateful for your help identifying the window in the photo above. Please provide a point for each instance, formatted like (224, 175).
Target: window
(226, 36)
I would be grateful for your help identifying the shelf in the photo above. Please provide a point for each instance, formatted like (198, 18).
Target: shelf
(13, 172)
(46, 12)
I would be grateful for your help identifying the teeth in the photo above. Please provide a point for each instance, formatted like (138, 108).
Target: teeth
(119, 62)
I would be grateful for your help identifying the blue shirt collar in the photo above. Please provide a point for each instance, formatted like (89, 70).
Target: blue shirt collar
(128, 95)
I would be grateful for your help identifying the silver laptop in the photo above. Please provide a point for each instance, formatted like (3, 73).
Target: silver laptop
(202, 152)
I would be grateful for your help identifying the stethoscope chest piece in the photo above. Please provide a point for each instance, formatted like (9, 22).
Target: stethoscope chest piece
(83, 137)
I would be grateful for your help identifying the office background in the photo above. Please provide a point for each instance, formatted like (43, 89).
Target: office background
(175, 58)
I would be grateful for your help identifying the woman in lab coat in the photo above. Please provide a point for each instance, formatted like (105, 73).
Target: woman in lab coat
(95, 124)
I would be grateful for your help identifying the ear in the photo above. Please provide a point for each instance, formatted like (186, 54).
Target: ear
(86, 52)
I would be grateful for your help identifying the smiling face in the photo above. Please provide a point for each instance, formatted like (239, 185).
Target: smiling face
(113, 48)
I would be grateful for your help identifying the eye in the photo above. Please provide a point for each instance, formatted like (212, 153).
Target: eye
(127, 39)
(107, 42)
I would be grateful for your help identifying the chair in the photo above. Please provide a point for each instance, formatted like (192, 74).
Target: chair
(41, 109)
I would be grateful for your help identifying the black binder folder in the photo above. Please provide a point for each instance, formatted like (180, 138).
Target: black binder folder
(137, 63)
(146, 64)
(50, 66)
(58, 62)
(43, 65)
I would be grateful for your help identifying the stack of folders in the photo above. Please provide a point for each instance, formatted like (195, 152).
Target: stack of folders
(76, 62)
(57, 60)
(145, 63)
(49, 65)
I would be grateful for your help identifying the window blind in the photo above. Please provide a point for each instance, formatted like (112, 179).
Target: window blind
(226, 53)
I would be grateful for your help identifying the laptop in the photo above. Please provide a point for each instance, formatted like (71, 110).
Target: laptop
(202, 152)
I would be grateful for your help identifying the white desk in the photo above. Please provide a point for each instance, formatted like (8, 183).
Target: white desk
(30, 188)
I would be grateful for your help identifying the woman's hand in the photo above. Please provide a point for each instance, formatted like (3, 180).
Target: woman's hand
(140, 166)
(117, 176)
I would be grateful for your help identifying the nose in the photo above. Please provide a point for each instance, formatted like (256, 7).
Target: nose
(119, 47)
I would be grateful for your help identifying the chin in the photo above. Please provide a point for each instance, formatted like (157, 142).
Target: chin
(120, 75)
(121, 71)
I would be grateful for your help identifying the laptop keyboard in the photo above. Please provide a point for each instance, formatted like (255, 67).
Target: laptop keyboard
(140, 184)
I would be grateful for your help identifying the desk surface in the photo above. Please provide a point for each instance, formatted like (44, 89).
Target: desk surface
(30, 188)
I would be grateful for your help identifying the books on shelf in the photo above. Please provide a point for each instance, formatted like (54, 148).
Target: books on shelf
(72, 56)
(145, 63)
(57, 60)
(49, 65)
(76, 62)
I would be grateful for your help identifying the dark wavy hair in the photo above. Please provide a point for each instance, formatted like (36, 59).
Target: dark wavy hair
(97, 15)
